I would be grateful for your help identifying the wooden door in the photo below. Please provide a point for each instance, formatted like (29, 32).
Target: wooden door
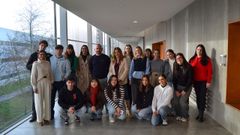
(161, 46)
(233, 66)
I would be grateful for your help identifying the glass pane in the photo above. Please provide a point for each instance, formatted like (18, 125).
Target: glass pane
(77, 27)
(17, 43)
(77, 46)
(94, 34)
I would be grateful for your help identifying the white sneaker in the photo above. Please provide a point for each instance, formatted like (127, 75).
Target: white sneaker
(164, 123)
(111, 120)
(183, 119)
(178, 118)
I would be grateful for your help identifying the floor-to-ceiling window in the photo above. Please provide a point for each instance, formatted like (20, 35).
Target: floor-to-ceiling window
(77, 31)
(23, 23)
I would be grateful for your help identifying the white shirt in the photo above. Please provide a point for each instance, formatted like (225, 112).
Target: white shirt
(162, 97)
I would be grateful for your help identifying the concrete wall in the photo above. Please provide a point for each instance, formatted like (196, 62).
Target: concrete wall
(206, 22)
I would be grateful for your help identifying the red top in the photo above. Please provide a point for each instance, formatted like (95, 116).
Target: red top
(93, 95)
(201, 72)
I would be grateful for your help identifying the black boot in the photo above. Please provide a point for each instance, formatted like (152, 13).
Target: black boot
(33, 119)
(200, 119)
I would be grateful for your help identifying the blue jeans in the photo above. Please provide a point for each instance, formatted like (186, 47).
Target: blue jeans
(97, 114)
(181, 104)
(144, 113)
(162, 115)
(111, 111)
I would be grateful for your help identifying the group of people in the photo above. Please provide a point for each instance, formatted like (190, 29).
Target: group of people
(129, 84)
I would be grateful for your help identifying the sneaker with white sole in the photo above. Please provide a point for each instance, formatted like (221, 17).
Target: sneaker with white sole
(111, 120)
(164, 123)
(183, 119)
(178, 118)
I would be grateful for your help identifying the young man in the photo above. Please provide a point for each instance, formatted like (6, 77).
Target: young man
(161, 103)
(43, 44)
(61, 69)
(71, 101)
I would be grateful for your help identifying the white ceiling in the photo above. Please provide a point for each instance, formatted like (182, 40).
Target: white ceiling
(115, 17)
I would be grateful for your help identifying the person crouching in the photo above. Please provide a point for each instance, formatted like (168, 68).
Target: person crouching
(71, 101)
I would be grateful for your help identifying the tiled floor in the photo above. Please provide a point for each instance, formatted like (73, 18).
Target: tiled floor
(128, 127)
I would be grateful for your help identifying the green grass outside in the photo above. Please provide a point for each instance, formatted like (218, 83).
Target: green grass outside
(13, 86)
(14, 109)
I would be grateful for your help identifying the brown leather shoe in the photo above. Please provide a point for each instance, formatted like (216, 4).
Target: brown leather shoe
(40, 123)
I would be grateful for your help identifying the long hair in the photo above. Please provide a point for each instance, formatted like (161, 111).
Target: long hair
(70, 46)
(176, 66)
(171, 51)
(204, 59)
(87, 50)
(151, 54)
(110, 87)
(144, 88)
(131, 52)
(113, 54)
(142, 55)
(98, 84)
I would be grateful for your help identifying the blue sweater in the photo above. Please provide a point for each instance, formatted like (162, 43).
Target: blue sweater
(99, 66)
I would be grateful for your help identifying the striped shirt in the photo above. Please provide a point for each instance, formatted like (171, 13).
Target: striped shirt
(115, 101)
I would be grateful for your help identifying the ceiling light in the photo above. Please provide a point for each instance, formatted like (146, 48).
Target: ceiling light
(135, 21)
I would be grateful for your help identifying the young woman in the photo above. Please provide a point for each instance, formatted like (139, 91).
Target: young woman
(182, 82)
(161, 103)
(143, 108)
(119, 67)
(83, 73)
(202, 69)
(41, 80)
(168, 65)
(114, 94)
(71, 56)
(148, 53)
(95, 99)
(128, 54)
(157, 68)
(139, 66)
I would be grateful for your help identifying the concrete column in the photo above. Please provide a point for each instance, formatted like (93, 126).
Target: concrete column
(63, 27)
(89, 38)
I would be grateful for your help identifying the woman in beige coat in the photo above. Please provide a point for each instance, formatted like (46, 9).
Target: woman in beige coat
(83, 73)
(41, 81)
(119, 67)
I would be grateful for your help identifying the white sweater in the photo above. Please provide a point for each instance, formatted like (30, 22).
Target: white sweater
(40, 70)
(162, 97)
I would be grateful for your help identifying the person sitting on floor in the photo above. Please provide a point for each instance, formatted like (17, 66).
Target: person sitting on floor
(143, 107)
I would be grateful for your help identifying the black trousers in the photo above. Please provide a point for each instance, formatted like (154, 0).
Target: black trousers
(57, 86)
(134, 89)
(201, 90)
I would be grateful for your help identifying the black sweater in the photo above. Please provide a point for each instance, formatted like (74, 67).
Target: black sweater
(144, 99)
(182, 77)
(99, 66)
(72, 98)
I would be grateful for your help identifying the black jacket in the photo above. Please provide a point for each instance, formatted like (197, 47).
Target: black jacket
(182, 77)
(74, 98)
(144, 99)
